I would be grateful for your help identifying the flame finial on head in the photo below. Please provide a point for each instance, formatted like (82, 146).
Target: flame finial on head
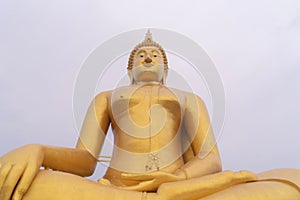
(148, 37)
(148, 42)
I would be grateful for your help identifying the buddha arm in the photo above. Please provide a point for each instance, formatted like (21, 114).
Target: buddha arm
(75, 161)
(19, 167)
(206, 158)
(82, 160)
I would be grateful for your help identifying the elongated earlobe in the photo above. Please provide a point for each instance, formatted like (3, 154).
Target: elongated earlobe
(130, 77)
(164, 79)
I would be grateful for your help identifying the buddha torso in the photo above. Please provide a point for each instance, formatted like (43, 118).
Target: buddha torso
(149, 140)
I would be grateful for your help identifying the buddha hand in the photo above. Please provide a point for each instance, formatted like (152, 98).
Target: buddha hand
(18, 169)
(150, 181)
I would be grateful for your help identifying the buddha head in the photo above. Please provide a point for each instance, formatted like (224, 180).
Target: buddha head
(148, 62)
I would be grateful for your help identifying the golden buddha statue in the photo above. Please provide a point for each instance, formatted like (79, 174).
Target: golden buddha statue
(164, 149)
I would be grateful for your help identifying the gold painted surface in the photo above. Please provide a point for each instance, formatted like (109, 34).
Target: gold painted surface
(164, 150)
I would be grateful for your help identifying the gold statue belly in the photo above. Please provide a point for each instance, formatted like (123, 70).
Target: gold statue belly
(114, 174)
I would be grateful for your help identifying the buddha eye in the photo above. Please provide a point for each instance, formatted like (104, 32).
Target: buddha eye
(141, 56)
(155, 56)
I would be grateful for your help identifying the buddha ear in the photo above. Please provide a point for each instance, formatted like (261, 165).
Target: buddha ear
(164, 79)
(129, 72)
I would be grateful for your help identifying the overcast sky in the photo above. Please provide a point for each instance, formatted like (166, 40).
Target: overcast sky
(255, 46)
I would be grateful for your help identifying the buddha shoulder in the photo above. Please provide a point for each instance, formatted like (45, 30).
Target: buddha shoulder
(102, 98)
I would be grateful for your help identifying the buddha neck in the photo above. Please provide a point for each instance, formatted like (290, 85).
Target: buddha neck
(140, 83)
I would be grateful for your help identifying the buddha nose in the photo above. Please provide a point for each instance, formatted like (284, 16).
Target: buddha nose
(148, 60)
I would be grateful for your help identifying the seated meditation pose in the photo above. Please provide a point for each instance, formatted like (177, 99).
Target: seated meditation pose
(164, 149)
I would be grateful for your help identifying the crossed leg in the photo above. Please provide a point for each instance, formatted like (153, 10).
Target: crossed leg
(51, 185)
(54, 185)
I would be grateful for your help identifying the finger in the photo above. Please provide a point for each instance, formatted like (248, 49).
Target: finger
(104, 181)
(4, 171)
(138, 177)
(142, 186)
(11, 182)
(25, 181)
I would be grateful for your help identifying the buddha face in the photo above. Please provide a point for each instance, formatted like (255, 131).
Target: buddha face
(148, 65)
